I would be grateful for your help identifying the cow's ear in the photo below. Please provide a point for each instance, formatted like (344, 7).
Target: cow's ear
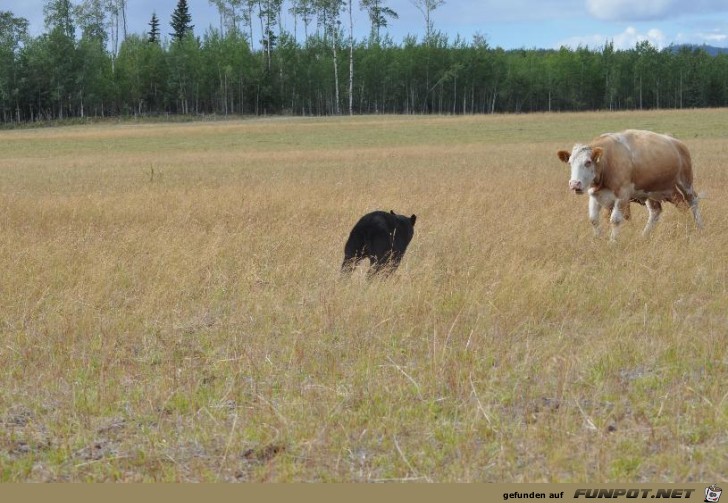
(563, 155)
(412, 219)
(597, 154)
(392, 212)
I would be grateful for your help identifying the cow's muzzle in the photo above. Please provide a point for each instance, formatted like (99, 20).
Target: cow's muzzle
(576, 186)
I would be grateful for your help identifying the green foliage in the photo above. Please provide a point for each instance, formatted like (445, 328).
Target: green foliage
(59, 16)
(181, 21)
(378, 15)
(154, 29)
(91, 19)
(231, 71)
(12, 31)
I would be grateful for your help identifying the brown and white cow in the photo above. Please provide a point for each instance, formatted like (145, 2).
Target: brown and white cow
(632, 166)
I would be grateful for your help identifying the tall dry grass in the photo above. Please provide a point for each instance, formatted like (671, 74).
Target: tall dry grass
(171, 307)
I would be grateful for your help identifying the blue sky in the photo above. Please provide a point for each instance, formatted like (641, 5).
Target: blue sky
(510, 24)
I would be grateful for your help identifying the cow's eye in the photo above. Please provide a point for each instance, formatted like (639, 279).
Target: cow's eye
(588, 163)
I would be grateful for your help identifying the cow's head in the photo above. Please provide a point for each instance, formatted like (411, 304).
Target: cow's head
(584, 161)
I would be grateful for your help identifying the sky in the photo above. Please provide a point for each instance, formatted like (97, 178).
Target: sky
(510, 24)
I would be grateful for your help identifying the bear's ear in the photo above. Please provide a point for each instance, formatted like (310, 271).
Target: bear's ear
(563, 155)
(392, 212)
(412, 219)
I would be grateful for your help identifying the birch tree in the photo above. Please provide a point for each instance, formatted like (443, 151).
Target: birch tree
(268, 11)
(378, 15)
(306, 10)
(351, 60)
(329, 15)
(426, 8)
(59, 16)
(116, 12)
(12, 31)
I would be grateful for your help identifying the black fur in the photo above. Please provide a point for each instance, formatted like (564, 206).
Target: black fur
(381, 237)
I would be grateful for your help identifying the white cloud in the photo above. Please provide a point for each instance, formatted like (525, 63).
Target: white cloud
(651, 10)
(630, 10)
(625, 40)
(716, 37)
(712, 38)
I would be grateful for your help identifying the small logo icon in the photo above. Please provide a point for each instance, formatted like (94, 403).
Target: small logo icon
(712, 494)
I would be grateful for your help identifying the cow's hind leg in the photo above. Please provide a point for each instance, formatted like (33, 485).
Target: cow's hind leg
(696, 213)
(655, 209)
(693, 202)
(691, 198)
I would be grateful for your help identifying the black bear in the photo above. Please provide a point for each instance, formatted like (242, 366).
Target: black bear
(381, 237)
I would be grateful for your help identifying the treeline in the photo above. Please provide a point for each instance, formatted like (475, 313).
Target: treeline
(87, 66)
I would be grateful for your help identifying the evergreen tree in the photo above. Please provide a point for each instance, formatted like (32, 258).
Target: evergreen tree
(181, 20)
(54, 75)
(154, 29)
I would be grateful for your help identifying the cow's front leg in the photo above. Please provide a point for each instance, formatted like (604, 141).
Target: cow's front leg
(621, 206)
(654, 208)
(594, 209)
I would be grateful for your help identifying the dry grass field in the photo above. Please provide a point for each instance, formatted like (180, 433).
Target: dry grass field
(171, 307)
